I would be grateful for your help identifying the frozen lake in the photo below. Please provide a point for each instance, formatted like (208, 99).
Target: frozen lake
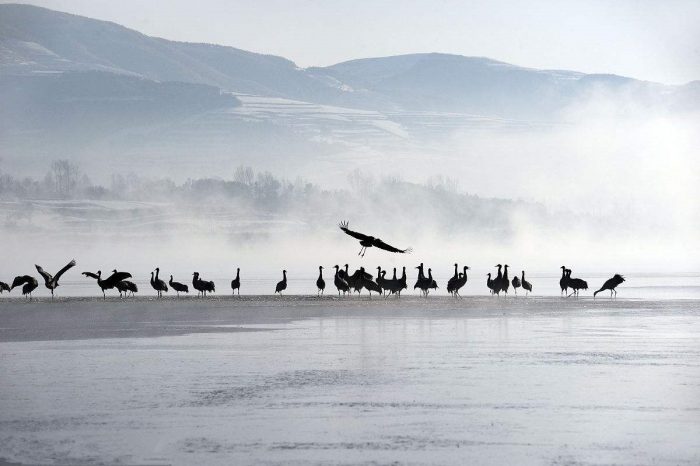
(302, 380)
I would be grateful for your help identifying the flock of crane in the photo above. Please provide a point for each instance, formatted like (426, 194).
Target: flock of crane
(344, 282)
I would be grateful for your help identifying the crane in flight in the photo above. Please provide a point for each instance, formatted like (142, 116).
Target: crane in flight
(367, 241)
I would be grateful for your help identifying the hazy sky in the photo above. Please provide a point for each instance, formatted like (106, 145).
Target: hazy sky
(654, 40)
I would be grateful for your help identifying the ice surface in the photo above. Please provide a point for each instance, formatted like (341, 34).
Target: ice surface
(301, 380)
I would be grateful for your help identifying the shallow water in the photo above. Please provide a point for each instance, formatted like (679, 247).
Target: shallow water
(302, 380)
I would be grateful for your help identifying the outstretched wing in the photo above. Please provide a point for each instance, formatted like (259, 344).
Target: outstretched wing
(47, 276)
(64, 269)
(116, 277)
(91, 275)
(382, 245)
(21, 280)
(344, 226)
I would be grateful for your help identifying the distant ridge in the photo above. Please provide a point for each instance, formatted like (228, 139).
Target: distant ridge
(38, 40)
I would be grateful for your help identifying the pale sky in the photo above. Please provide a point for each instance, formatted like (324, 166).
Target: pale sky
(652, 40)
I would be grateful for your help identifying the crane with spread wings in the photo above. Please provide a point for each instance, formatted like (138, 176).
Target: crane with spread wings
(369, 241)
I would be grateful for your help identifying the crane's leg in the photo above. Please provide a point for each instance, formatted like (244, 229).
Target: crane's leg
(51, 293)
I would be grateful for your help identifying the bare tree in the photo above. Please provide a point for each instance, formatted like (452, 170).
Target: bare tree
(244, 175)
(65, 177)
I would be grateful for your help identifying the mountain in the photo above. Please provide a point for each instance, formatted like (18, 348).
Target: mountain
(37, 40)
(34, 39)
(115, 100)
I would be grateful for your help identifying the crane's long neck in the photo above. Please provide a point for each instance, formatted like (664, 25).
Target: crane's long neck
(238, 273)
(320, 273)
(456, 270)
(157, 272)
(523, 275)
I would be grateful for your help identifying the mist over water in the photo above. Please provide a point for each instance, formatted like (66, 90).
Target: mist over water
(600, 195)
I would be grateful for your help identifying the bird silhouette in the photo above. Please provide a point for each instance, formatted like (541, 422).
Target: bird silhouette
(402, 282)
(4, 287)
(125, 286)
(158, 284)
(422, 282)
(320, 282)
(381, 281)
(339, 281)
(282, 285)
(451, 282)
(393, 285)
(236, 282)
(51, 281)
(526, 284)
(109, 282)
(563, 281)
(489, 283)
(370, 241)
(611, 284)
(575, 284)
(505, 282)
(178, 287)
(357, 279)
(202, 286)
(516, 284)
(28, 283)
(432, 284)
(498, 281)
(368, 283)
(461, 281)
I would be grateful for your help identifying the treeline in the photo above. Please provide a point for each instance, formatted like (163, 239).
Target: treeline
(436, 203)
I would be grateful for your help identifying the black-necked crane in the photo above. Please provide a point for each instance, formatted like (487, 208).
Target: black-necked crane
(611, 284)
(461, 281)
(563, 281)
(236, 282)
(320, 282)
(453, 280)
(158, 284)
(125, 286)
(282, 285)
(505, 282)
(381, 281)
(202, 286)
(109, 282)
(497, 282)
(368, 283)
(575, 284)
(367, 241)
(339, 281)
(489, 283)
(4, 287)
(516, 284)
(28, 283)
(526, 284)
(432, 284)
(51, 281)
(178, 287)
